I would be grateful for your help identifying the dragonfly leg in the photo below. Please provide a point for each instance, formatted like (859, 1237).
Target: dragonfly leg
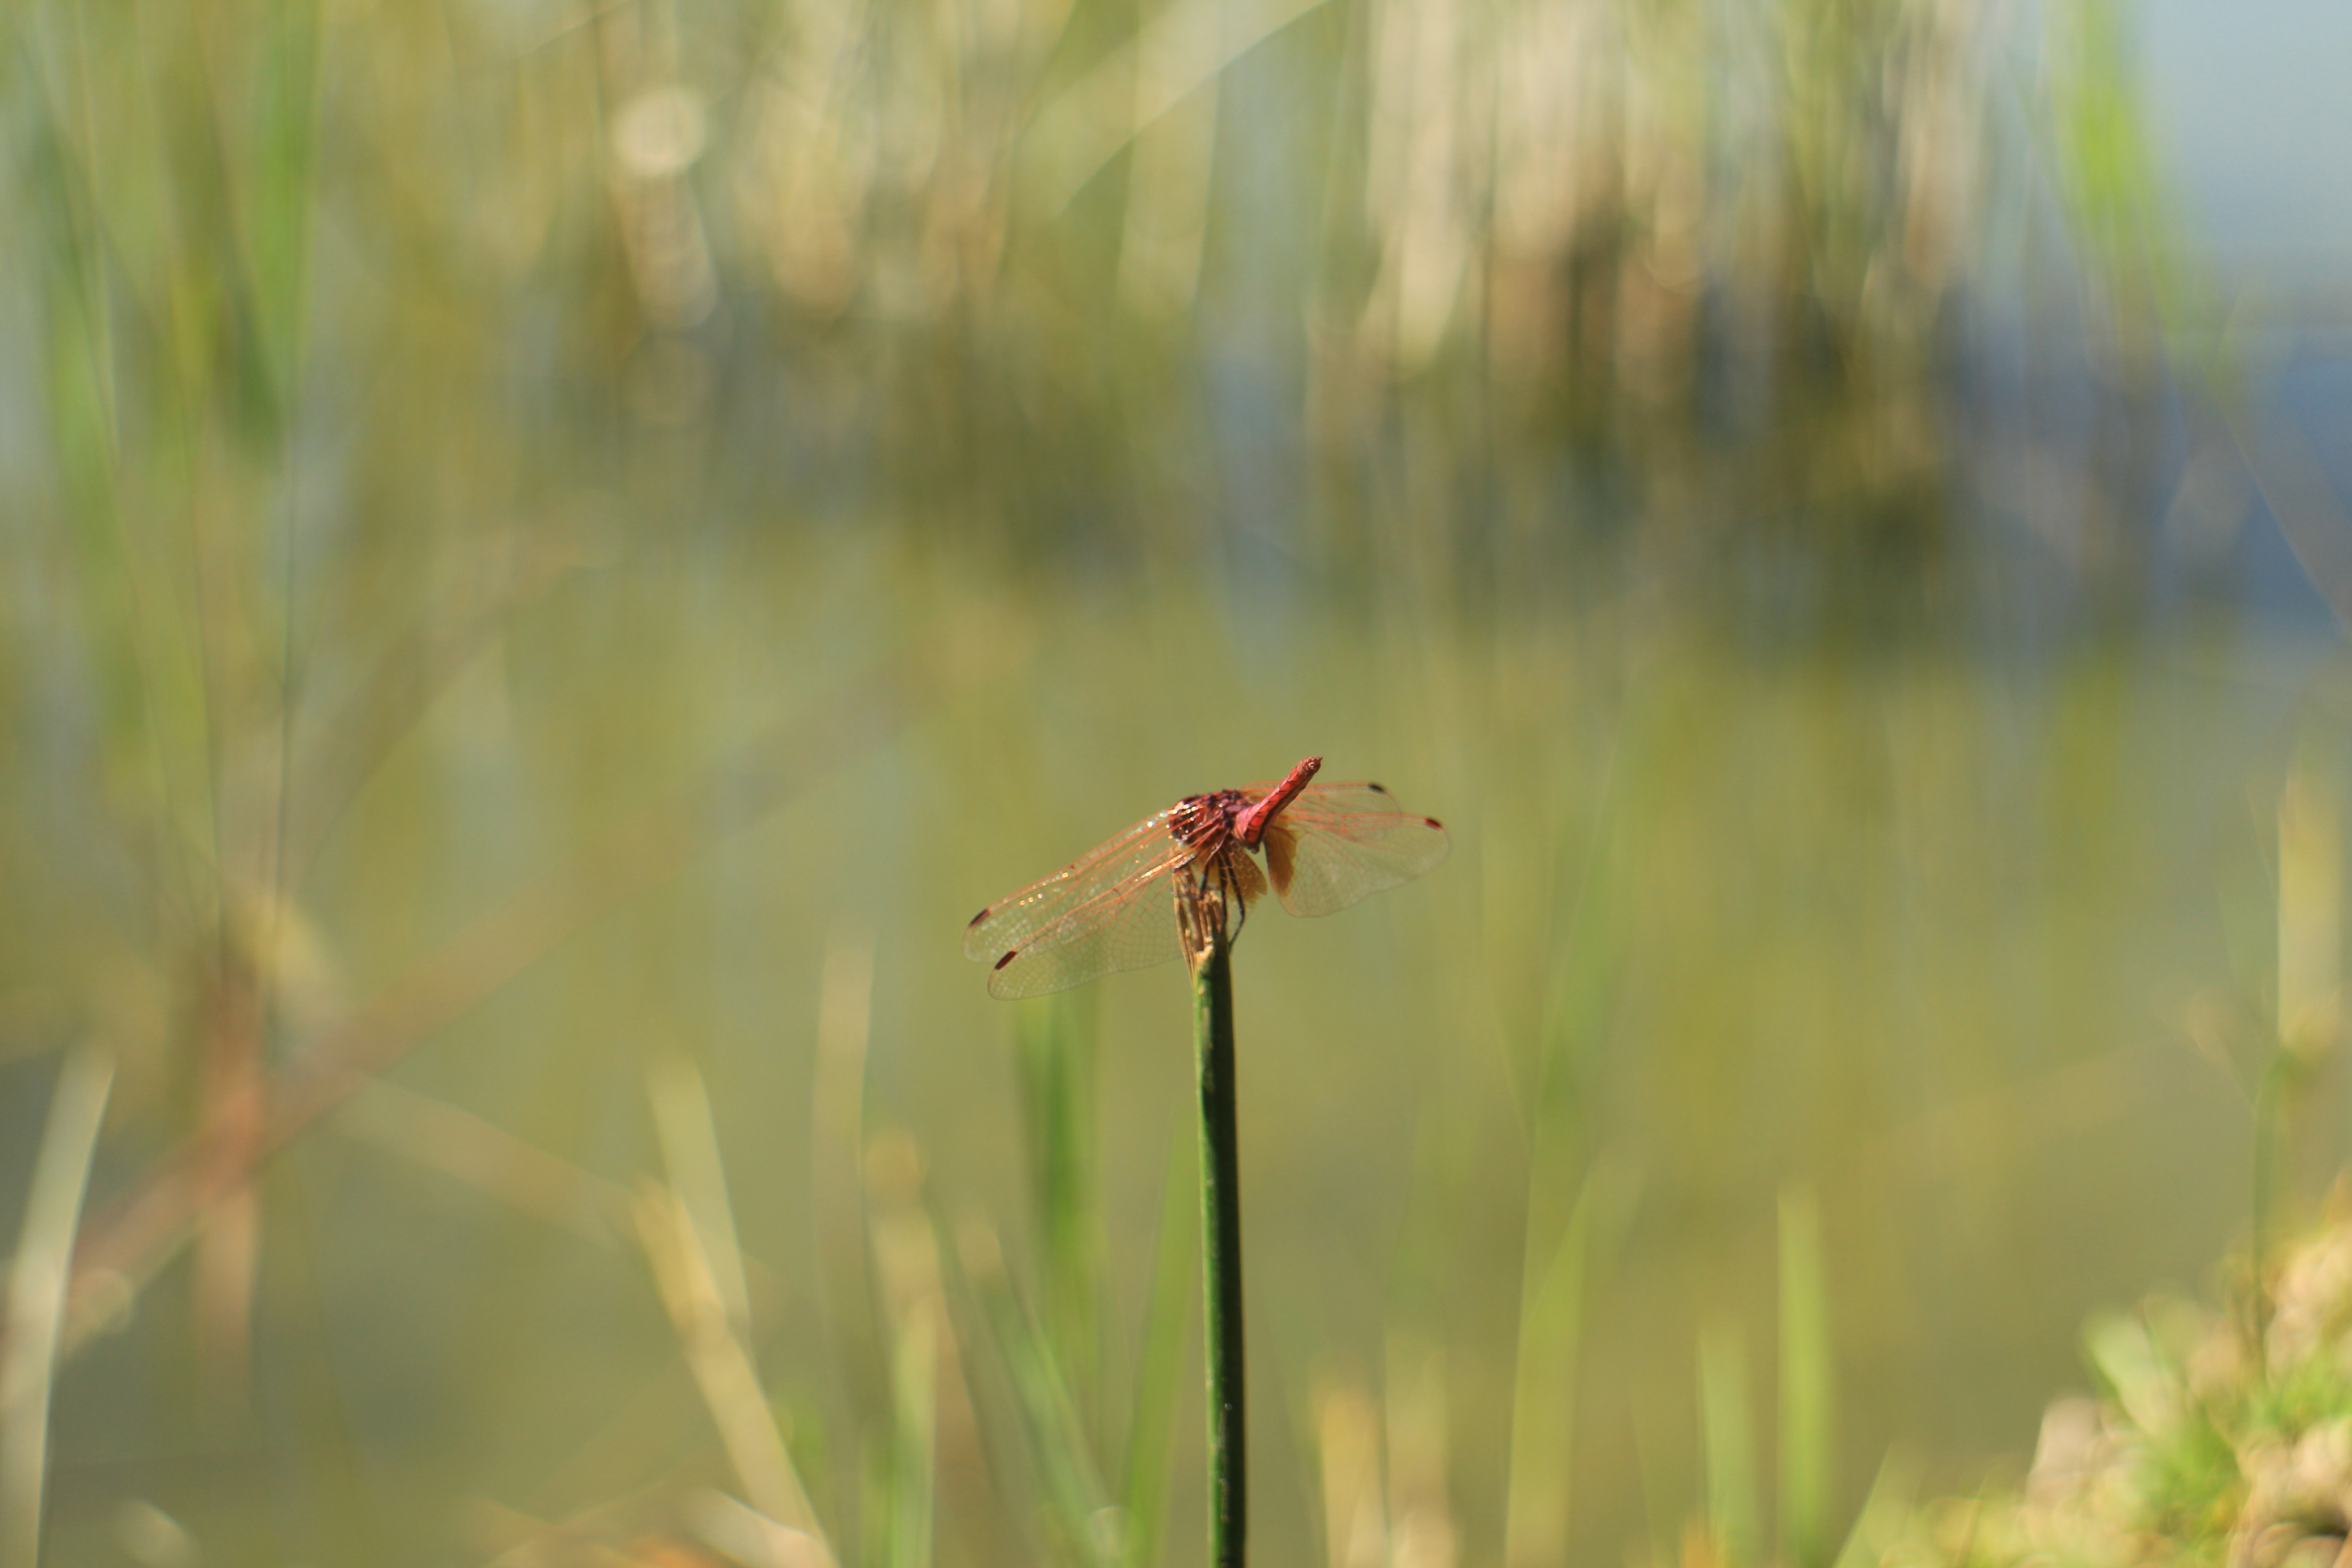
(1212, 903)
(1200, 914)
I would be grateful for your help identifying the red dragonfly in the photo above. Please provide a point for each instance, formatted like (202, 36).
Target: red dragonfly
(1326, 846)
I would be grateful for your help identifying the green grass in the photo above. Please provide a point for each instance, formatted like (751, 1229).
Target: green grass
(2205, 1443)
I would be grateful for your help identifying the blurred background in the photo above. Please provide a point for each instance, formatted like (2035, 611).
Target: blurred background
(552, 553)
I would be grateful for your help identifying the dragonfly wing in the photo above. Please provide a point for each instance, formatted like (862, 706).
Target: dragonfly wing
(1135, 929)
(1014, 922)
(1336, 843)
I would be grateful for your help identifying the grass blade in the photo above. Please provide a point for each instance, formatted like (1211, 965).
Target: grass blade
(1057, 1095)
(38, 1278)
(1805, 1397)
(689, 1146)
(1543, 1399)
(914, 1446)
(1884, 1513)
(1052, 1442)
(1725, 1421)
(1151, 1429)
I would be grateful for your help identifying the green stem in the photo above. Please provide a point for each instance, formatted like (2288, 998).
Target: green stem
(2274, 1092)
(1220, 1239)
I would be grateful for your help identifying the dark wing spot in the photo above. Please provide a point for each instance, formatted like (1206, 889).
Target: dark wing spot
(975, 920)
(1377, 789)
(1007, 959)
(1434, 823)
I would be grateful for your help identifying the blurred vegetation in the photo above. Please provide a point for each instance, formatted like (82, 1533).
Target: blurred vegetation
(555, 552)
(2220, 1437)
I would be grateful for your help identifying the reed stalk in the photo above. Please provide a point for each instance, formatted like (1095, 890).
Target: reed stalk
(1208, 947)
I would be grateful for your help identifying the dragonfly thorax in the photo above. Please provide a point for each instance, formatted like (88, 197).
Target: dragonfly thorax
(1215, 831)
(1207, 824)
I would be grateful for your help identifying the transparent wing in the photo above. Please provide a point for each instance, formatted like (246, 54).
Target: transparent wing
(1134, 930)
(1011, 921)
(1338, 842)
(1102, 912)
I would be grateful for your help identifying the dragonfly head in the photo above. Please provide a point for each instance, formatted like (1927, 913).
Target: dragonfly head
(1250, 826)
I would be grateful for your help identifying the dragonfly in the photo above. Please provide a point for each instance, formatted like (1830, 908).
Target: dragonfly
(1325, 846)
